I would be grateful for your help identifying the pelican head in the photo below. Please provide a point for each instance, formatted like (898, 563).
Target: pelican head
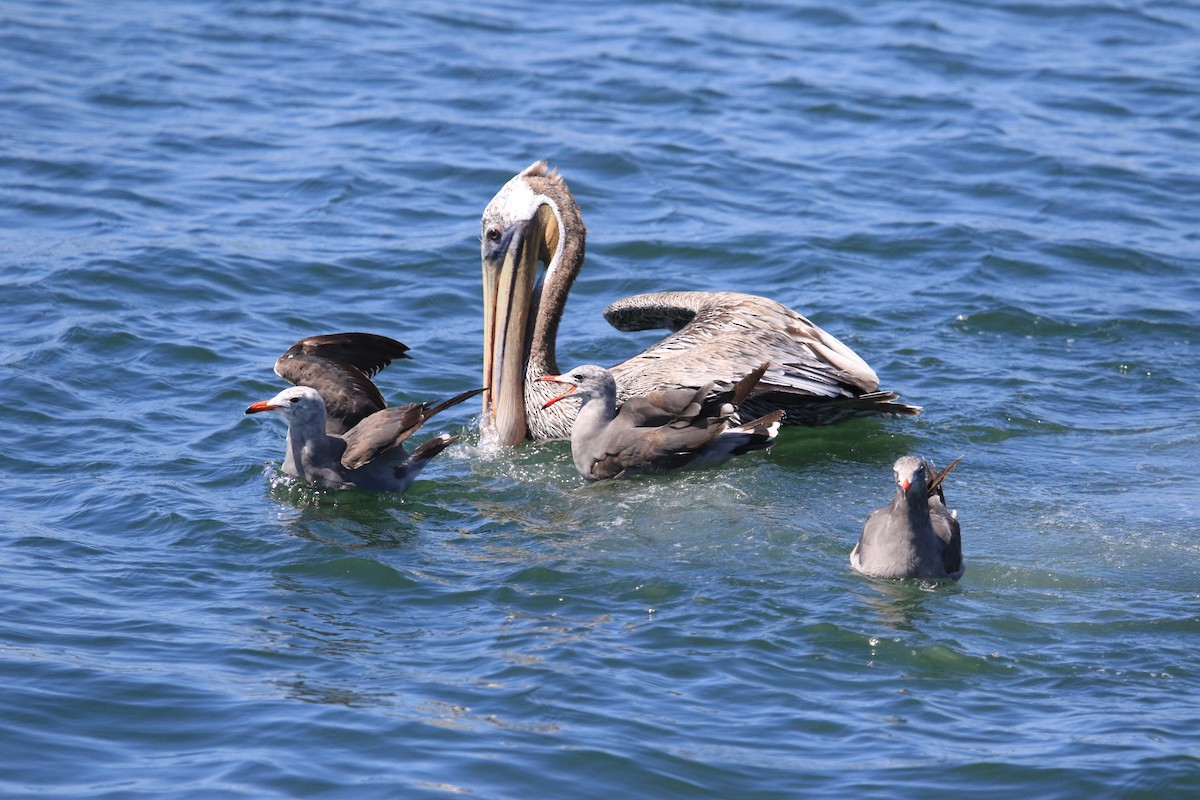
(531, 220)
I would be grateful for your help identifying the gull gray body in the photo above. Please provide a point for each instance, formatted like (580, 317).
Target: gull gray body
(913, 536)
(660, 431)
(534, 220)
(340, 433)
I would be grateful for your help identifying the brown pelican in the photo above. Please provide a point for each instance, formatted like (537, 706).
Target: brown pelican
(659, 431)
(813, 377)
(340, 434)
(914, 536)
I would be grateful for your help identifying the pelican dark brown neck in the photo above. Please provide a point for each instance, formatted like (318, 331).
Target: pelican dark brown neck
(562, 251)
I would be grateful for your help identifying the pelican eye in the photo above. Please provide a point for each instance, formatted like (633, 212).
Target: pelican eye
(493, 234)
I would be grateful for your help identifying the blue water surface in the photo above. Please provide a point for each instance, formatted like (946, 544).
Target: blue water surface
(994, 203)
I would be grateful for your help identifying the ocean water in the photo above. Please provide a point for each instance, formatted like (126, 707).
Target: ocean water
(994, 203)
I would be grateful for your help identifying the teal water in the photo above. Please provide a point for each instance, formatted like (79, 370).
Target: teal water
(995, 204)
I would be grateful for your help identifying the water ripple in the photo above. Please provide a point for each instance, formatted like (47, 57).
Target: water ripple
(987, 202)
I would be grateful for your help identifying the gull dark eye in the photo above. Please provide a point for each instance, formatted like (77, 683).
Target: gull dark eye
(578, 376)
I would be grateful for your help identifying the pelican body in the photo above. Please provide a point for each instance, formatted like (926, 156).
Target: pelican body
(534, 220)
(914, 536)
(340, 433)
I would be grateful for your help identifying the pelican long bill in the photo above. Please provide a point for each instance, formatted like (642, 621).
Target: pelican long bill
(509, 270)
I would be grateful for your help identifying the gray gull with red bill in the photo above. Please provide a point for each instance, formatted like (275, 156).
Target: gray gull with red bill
(341, 434)
(661, 430)
(914, 536)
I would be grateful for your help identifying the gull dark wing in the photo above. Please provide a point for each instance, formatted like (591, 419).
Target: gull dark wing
(339, 366)
(388, 428)
(946, 526)
(937, 478)
(368, 352)
(663, 407)
(691, 406)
